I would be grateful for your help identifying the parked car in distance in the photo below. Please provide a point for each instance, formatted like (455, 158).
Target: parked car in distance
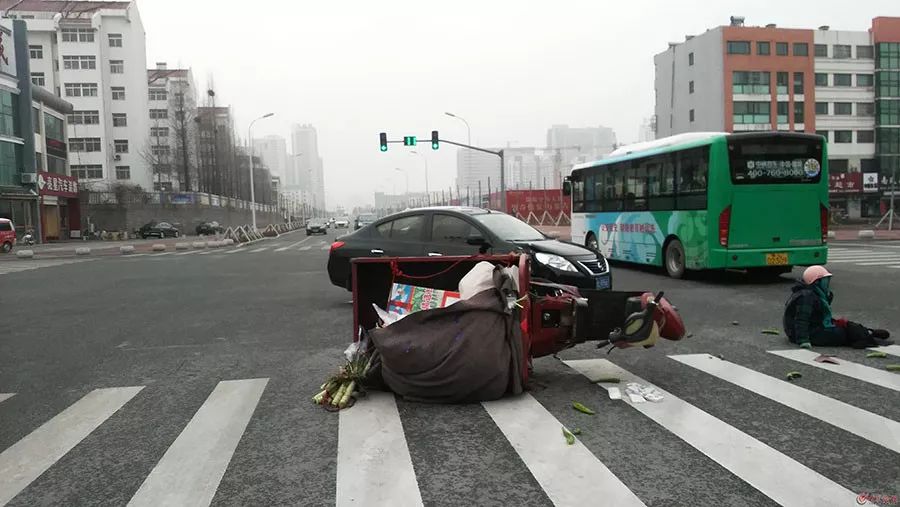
(457, 231)
(209, 228)
(159, 230)
(7, 235)
(342, 223)
(316, 226)
(364, 219)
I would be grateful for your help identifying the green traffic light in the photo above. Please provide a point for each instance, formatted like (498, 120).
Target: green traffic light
(383, 147)
(434, 146)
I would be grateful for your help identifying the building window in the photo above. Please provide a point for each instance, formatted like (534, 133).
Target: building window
(798, 83)
(121, 145)
(746, 113)
(781, 83)
(54, 128)
(84, 144)
(691, 58)
(77, 35)
(865, 52)
(159, 132)
(801, 49)
(799, 115)
(821, 79)
(691, 115)
(36, 52)
(821, 107)
(37, 79)
(115, 40)
(843, 80)
(158, 94)
(87, 171)
(781, 48)
(821, 50)
(865, 109)
(123, 172)
(782, 113)
(843, 136)
(159, 114)
(55, 165)
(79, 62)
(750, 83)
(843, 108)
(120, 120)
(81, 89)
(841, 51)
(738, 47)
(865, 80)
(763, 48)
(823, 133)
(118, 93)
(160, 150)
(865, 136)
(84, 118)
(116, 67)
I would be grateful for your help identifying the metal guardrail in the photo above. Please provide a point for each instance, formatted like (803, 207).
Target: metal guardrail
(246, 234)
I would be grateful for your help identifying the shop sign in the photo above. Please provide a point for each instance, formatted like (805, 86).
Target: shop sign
(870, 182)
(57, 184)
(845, 183)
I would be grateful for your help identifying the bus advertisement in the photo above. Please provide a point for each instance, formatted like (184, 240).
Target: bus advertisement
(756, 201)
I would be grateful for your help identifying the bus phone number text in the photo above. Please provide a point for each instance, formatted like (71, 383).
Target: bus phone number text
(628, 228)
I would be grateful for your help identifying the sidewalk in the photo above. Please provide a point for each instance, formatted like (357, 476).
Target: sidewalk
(847, 233)
(65, 249)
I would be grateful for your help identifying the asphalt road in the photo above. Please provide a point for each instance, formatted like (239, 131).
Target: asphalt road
(186, 379)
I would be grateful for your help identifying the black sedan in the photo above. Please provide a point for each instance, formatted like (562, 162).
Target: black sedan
(316, 227)
(159, 230)
(468, 231)
(209, 228)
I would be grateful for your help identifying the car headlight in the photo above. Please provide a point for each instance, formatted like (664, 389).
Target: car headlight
(555, 261)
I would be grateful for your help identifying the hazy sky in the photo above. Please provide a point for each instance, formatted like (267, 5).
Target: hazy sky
(511, 68)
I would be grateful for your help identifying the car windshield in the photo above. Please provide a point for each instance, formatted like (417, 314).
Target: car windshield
(508, 228)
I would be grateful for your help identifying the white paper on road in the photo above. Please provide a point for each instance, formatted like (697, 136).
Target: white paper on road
(304, 248)
(6, 396)
(872, 427)
(191, 469)
(881, 378)
(774, 474)
(373, 462)
(569, 474)
(292, 245)
(893, 350)
(27, 459)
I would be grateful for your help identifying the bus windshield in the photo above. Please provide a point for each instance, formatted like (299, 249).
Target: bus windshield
(775, 160)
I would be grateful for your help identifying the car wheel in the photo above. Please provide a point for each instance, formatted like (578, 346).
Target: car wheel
(591, 242)
(7, 247)
(176, 234)
(674, 259)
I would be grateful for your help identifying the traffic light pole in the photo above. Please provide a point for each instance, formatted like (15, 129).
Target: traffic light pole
(502, 168)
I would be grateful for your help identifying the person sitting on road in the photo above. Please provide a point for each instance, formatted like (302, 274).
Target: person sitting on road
(808, 319)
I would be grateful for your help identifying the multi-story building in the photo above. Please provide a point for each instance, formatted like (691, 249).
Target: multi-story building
(93, 55)
(477, 168)
(171, 149)
(272, 150)
(844, 85)
(308, 173)
(216, 168)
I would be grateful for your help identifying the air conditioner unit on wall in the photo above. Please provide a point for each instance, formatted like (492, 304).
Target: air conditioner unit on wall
(29, 178)
(118, 157)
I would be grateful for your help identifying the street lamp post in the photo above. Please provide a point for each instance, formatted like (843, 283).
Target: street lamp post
(252, 192)
(406, 174)
(425, 159)
(468, 141)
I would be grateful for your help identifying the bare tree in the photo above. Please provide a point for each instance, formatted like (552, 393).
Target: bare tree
(158, 153)
(184, 128)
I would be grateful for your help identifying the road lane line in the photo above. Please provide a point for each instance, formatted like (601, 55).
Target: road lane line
(304, 248)
(568, 474)
(326, 247)
(27, 459)
(207, 252)
(192, 252)
(161, 254)
(191, 469)
(774, 474)
(893, 350)
(293, 245)
(259, 249)
(872, 427)
(880, 263)
(6, 396)
(864, 256)
(236, 250)
(373, 462)
(881, 378)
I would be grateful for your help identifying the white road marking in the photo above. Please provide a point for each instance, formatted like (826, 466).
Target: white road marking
(192, 252)
(893, 350)
(6, 396)
(326, 247)
(161, 254)
(292, 245)
(207, 252)
(191, 469)
(872, 427)
(236, 250)
(135, 255)
(373, 462)
(304, 248)
(17, 265)
(569, 474)
(259, 249)
(27, 459)
(774, 474)
(881, 378)
(886, 262)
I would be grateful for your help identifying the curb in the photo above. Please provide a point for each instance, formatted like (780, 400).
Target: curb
(127, 249)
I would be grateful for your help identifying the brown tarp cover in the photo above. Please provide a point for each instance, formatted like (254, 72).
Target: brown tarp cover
(468, 352)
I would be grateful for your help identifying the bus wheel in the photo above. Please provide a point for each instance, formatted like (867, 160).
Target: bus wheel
(591, 242)
(675, 259)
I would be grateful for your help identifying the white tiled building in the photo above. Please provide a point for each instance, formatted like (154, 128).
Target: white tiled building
(93, 55)
(172, 138)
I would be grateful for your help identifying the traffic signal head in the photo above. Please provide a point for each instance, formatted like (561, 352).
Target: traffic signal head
(434, 140)
(383, 137)
(409, 140)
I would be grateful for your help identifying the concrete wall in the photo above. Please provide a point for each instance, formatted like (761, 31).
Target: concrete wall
(111, 217)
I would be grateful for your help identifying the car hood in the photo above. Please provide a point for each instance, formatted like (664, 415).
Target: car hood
(556, 247)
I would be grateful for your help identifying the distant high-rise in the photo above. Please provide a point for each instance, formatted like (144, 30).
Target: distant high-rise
(272, 150)
(307, 168)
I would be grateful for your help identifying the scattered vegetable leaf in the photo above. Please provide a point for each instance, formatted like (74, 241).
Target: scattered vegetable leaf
(892, 367)
(608, 380)
(735, 323)
(876, 353)
(581, 408)
(793, 374)
(570, 438)
(576, 431)
(771, 331)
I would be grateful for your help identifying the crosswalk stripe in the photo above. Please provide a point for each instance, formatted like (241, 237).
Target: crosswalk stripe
(191, 469)
(893, 350)
(569, 475)
(373, 462)
(863, 255)
(776, 475)
(326, 247)
(6, 396)
(872, 427)
(304, 248)
(880, 263)
(292, 245)
(27, 459)
(259, 249)
(881, 378)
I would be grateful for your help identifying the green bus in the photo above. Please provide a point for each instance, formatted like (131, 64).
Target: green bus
(749, 201)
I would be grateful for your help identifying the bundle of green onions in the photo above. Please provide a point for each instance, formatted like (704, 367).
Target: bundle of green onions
(338, 390)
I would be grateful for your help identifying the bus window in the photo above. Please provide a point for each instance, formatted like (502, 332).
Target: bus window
(618, 186)
(598, 191)
(692, 169)
(577, 194)
(662, 191)
(636, 186)
(588, 189)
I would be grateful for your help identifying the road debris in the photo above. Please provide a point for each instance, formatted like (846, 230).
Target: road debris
(606, 380)
(793, 375)
(735, 323)
(876, 353)
(892, 367)
(581, 408)
(639, 393)
(570, 438)
(826, 358)
(771, 331)
(615, 393)
(576, 431)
